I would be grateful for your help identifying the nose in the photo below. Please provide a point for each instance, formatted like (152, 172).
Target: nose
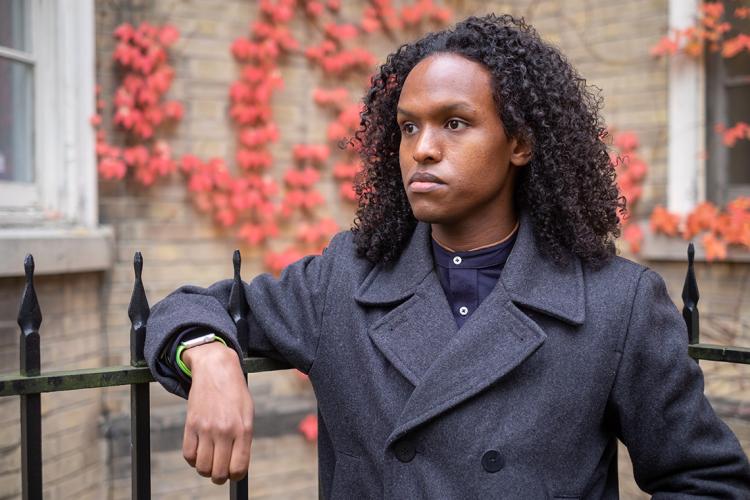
(427, 147)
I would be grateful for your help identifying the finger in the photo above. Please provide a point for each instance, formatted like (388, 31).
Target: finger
(189, 445)
(222, 454)
(205, 456)
(240, 461)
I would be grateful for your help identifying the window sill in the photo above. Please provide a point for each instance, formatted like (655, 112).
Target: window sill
(658, 247)
(56, 250)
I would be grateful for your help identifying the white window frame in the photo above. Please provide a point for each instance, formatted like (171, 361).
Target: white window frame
(56, 217)
(686, 176)
(63, 192)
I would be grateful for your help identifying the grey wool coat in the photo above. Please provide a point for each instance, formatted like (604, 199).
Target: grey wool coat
(526, 401)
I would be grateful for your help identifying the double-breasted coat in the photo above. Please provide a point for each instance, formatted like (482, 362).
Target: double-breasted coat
(525, 401)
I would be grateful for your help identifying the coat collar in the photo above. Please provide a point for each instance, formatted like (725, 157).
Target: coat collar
(530, 279)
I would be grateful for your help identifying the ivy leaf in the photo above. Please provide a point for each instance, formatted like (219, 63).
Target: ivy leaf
(664, 222)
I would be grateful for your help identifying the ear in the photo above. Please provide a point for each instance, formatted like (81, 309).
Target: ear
(520, 151)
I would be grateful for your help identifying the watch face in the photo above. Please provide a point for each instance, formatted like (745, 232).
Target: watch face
(199, 341)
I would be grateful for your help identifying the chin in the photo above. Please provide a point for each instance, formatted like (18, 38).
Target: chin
(430, 215)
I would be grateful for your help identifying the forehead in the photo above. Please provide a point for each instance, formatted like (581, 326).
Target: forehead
(447, 77)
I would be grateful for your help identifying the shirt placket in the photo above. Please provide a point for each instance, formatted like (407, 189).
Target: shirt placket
(463, 285)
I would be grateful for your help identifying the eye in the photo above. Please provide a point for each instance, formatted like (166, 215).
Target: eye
(408, 128)
(456, 124)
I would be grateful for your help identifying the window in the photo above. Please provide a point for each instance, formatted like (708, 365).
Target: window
(728, 102)
(16, 77)
(48, 198)
(47, 163)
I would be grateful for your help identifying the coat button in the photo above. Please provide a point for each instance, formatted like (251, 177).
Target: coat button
(492, 461)
(405, 451)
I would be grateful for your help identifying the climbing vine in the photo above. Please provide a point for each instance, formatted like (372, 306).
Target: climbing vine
(631, 171)
(245, 198)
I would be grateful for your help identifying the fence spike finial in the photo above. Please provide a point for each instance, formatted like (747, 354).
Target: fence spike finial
(238, 308)
(138, 312)
(690, 297)
(29, 320)
(237, 264)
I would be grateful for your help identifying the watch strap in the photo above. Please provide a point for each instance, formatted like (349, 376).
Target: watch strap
(206, 339)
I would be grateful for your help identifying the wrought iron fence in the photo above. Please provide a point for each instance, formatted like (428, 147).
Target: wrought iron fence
(29, 383)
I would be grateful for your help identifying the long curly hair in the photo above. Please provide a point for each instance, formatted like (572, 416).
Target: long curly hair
(569, 186)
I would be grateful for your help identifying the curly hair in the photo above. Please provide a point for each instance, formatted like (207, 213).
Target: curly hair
(568, 188)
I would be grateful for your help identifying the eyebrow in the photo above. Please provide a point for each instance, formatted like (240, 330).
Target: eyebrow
(442, 109)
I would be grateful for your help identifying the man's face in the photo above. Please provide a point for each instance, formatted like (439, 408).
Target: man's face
(457, 164)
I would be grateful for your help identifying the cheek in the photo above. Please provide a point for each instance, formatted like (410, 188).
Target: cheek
(403, 164)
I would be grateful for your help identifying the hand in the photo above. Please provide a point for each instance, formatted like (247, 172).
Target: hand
(219, 423)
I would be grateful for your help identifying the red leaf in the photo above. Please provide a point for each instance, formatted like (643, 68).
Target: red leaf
(174, 110)
(168, 35)
(664, 221)
(666, 46)
(309, 427)
(634, 236)
(314, 8)
(347, 191)
(190, 163)
(715, 248)
(124, 32)
(112, 168)
(626, 141)
(135, 156)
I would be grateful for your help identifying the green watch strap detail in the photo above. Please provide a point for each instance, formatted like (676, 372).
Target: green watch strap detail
(181, 364)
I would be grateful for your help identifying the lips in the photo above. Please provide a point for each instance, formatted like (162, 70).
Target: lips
(423, 182)
(425, 177)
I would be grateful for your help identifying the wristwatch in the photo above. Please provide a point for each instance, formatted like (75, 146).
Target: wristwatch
(187, 344)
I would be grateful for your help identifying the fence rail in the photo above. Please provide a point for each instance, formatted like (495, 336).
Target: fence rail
(29, 383)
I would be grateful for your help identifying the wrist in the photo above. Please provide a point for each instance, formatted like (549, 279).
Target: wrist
(210, 353)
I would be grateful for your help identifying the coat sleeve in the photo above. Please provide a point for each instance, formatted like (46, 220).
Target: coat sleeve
(284, 316)
(678, 445)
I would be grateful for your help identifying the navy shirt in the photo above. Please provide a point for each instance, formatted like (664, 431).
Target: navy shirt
(469, 277)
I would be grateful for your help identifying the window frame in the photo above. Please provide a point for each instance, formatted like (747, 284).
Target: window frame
(64, 190)
(685, 119)
(718, 187)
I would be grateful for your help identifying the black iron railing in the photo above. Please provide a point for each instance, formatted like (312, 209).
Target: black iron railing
(29, 383)
(698, 351)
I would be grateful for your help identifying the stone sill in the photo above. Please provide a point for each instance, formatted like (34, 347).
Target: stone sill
(56, 250)
(658, 247)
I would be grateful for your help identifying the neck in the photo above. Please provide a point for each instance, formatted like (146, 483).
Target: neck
(466, 237)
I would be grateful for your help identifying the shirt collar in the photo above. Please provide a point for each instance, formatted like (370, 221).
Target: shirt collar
(490, 256)
(531, 279)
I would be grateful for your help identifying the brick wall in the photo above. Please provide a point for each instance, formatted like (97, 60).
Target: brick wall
(71, 338)
(607, 42)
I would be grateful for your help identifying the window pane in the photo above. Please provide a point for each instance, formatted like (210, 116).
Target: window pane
(14, 24)
(738, 65)
(16, 117)
(738, 107)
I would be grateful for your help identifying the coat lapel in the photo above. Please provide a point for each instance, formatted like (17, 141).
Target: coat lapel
(416, 331)
(447, 366)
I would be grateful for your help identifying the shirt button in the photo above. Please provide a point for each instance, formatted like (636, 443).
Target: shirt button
(457, 260)
(492, 461)
(463, 310)
(405, 451)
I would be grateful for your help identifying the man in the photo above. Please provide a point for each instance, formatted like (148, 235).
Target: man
(474, 335)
